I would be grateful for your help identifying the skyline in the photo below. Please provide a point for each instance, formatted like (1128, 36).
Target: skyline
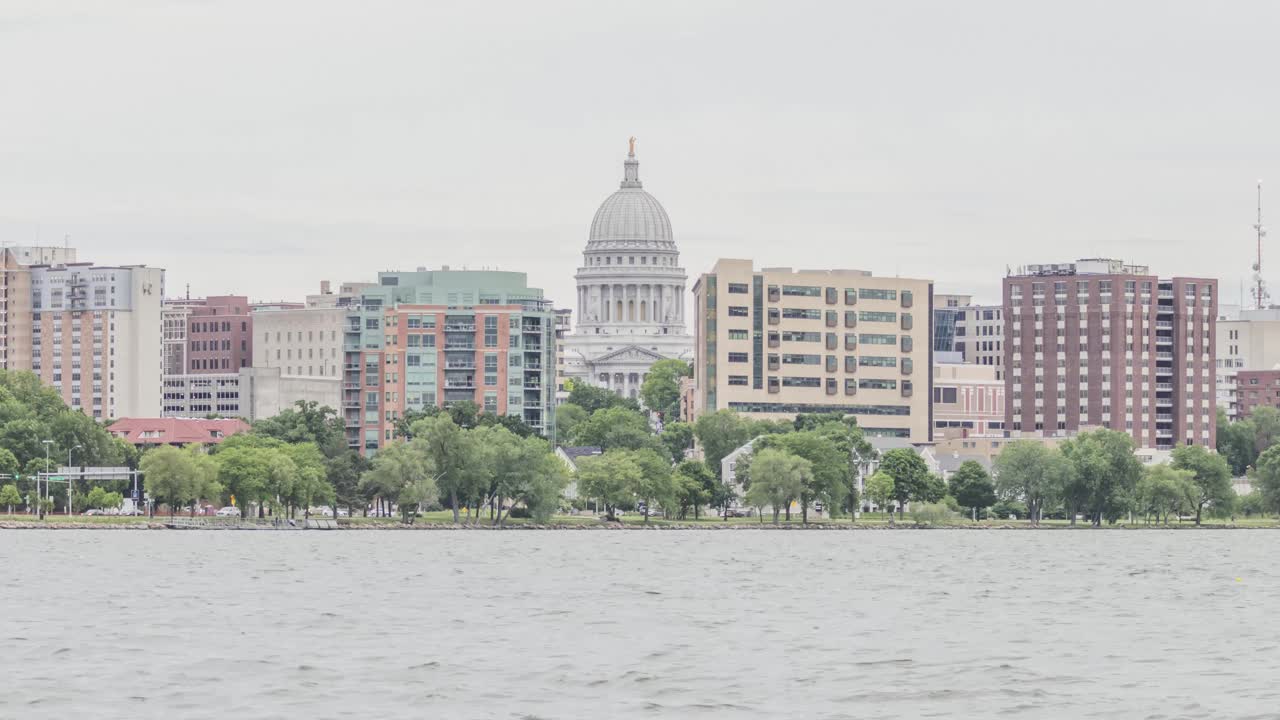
(806, 128)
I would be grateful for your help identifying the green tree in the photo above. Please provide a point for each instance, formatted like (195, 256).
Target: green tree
(568, 418)
(1251, 504)
(828, 478)
(344, 473)
(1104, 473)
(911, 478)
(9, 465)
(592, 398)
(881, 491)
(307, 422)
(1267, 478)
(656, 485)
(542, 495)
(242, 470)
(720, 433)
(402, 472)
(1164, 491)
(450, 453)
(1031, 472)
(972, 487)
(1211, 475)
(203, 482)
(1266, 427)
(9, 496)
(660, 391)
(777, 479)
(696, 486)
(610, 478)
(1237, 443)
(677, 437)
(617, 428)
(167, 475)
(311, 484)
(516, 464)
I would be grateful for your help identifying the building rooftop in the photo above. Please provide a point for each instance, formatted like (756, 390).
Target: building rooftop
(176, 431)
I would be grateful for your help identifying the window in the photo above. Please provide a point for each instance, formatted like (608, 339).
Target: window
(738, 288)
(793, 359)
(738, 334)
(875, 339)
(879, 385)
(737, 311)
(874, 294)
(800, 314)
(803, 382)
(877, 361)
(737, 357)
(944, 395)
(739, 380)
(850, 296)
(872, 316)
(792, 336)
(801, 291)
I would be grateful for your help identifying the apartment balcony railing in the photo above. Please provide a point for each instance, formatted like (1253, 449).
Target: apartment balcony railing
(460, 385)
(460, 346)
(455, 365)
(459, 327)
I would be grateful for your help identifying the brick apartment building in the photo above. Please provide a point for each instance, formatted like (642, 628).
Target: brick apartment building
(1101, 343)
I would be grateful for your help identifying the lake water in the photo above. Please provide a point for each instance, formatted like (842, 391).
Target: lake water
(680, 624)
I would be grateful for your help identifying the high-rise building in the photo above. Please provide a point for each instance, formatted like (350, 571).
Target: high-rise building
(980, 336)
(776, 342)
(1244, 340)
(96, 336)
(219, 335)
(1101, 343)
(432, 338)
(300, 342)
(631, 292)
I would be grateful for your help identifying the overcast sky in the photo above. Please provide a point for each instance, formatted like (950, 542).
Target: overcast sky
(259, 147)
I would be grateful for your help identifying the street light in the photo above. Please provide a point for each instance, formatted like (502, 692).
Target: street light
(39, 499)
(77, 447)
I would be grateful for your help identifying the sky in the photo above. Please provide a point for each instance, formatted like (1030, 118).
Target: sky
(258, 148)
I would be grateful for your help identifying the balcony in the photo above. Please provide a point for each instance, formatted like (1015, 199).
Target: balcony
(1164, 340)
(460, 346)
(1164, 386)
(1164, 402)
(1165, 294)
(459, 365)
(533, 366)
(459, 327)
(468, 384)
(532, 385)
(1164, 356)
(351, 386)
(1164, 324)
(531, 328)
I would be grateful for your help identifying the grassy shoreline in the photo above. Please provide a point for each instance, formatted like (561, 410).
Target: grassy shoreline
(444, 521)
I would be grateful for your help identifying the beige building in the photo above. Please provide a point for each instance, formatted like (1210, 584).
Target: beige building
(967, 400)
(250, 393)
(777, 342)
(96, 336)
(1249, 341)
(301, 342)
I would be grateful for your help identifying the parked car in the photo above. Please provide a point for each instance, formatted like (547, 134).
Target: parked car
(228, 511)
(128, 511)
(92, 511)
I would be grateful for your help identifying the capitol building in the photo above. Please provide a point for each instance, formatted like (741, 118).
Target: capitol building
(631, 292)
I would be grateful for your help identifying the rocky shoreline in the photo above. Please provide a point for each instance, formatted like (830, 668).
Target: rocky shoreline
(371, 527)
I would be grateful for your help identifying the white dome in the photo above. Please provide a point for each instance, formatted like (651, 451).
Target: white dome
(631, 217)
(628, 218)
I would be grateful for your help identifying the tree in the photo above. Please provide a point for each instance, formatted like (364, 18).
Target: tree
(9, 496)
(344, 473)
(660, 391)
(546, 487)
(1267, 477)
(311, 485)
(656, 485)
(610, 477)
(1032, 472)
(1237, 443)
(402, 471)
(911, 480)
(515, 463)
(242, 470)
(591, 398)
(829, 466)
(719, 433)
(777, 479)
(695, 486)
(881, 491)
(972, 487)
(1211, 475)
(1164, 491)
(450, 453)
(1251, 504)
(568, 418)
(307, 422)
(677, 437)
(9, 464)
(616, 428)
(203, 482)
(167, 475)
(1104, 473)
(1266, 427)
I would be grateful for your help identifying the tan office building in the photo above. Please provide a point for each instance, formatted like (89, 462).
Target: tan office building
(775, 342)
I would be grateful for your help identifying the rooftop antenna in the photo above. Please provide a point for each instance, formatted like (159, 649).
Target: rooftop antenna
(1260, 289)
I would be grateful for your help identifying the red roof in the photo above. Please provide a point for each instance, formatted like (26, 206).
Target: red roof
(176, 431)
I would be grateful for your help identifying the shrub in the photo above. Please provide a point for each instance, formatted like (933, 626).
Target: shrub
(933, 514)
(519, 511)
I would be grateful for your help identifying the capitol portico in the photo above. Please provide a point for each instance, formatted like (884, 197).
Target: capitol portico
(631, 292)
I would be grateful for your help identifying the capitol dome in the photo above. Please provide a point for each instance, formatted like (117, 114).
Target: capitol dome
(631, 217)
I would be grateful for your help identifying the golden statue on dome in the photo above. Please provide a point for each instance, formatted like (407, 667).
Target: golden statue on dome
(631, 146)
